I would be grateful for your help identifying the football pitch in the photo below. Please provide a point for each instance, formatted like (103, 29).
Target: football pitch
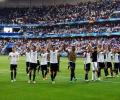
(107, 89)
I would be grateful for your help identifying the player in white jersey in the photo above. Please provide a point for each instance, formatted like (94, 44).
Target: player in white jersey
(33, 64)
(38, 62)
(27, 60)
(48, 61)
(53, 62)
(108, 60)
(116, 61)
(43, 63)
(94, 63)
(87, 63)
(101, 61)
(14, 57)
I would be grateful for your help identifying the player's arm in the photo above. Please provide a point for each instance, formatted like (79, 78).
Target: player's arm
(18, 56)
(49, 45)
(61, 48)
(90, 50)
(98, 50)
(75, 56)
(9, 57)
(39, 53)
(64, 48)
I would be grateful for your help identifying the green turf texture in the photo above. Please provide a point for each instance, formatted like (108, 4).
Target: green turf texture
(108, 89)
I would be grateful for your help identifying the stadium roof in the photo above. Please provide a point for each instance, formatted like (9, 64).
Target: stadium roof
(26, 3)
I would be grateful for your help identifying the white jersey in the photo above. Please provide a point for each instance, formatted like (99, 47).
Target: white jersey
(101, 57)
(116, 58)
(14, 57)
(109, 57)
(33, 56)
(28, 57)
(53, 56)
(87, 58)
(43, 58)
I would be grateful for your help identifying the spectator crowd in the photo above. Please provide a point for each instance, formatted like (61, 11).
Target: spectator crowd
(80, 43)
(101, 9)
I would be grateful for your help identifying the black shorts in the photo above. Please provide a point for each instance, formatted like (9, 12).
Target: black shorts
(13, 67)
(101, 65)
(72, 65)
(38, 63)
(109, 65)
(116, 65)
(33, 66)
(43, 67)
(48, 64)
(27, 64)
(54, 67)
(87, 67)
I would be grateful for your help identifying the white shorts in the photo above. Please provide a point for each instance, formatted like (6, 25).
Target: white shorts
(94, 66)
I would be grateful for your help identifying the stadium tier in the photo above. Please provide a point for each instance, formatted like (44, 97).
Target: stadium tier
(57, 21)
(62, 13)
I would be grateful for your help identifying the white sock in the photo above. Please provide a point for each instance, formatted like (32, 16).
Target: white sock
(93, 75)
(96, 78)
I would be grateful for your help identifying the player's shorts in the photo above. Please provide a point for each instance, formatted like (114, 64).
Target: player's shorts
(94, 66)
(72, 65)
(116, 65)
(48, 64)
(38, 63)
(109, 65)
(43, 67)
(119, 66)
(27, 64)
(54, 67)
(33, 66)
(101, 65)
(87, 67)
(13, 67)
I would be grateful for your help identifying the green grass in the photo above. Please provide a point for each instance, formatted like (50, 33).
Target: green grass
(108, 89)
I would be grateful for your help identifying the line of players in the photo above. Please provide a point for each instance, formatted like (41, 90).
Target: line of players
(100, 57)
(49, 58)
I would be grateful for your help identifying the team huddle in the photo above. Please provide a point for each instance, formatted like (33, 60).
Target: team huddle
(47, 59)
